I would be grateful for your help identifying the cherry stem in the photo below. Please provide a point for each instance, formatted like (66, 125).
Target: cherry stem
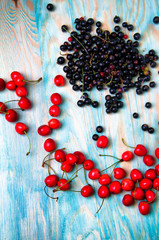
(33, 81)
(29, 143)
(19, 109)
(102, 155)
(8, 102)
(64, 170)
(111, 166)
(70, 180)
(48, 194)
(100, 206)
(48, 160)
(126, 144)
(69, 190)
(50, 168)
(45, 158)
(85, 177)
(3, 112)
(114, 168)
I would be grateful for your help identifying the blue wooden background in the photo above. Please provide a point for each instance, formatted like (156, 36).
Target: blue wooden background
(30, 37)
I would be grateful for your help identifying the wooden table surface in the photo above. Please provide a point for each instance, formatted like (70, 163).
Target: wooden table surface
(30, 37)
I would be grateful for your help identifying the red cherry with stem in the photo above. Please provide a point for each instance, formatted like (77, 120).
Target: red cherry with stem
(51, 180)
(156, 184)
(71, 158)
(157, 152)
(151, 174)
(54, 123)
(11, 85)
(127, 184)
(21, 92)
(104, 179)
(136, 175)
(119, 173)
(115, 187)
(11, 115)
(94, 174)
(65, 166)
(2, 84)
(103, 192)
(54, 111)
(88, 164)
(128, 200)
(148, 160)
(87, 191)
(60, 155)
(140, 150)
(24, 103)
(22, 129)
(49, 145)
(3, 108)
(102, 142)
(150, 196)
(80, 156)
(15, 75)
(127, 156)
(56, 98)
(138, 193)
(157, 169)
(146, 184)
(19, 81)
(44, 130)
(144, 207)
(59, 80)
(63, 184)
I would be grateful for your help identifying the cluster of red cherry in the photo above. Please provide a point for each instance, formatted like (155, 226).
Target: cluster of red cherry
(17, 84)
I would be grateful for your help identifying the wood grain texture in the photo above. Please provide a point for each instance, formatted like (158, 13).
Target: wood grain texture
(26, 213)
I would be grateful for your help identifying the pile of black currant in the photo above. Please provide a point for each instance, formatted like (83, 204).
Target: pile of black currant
(105, 60)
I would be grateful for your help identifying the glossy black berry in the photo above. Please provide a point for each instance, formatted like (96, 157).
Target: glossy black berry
(119, 104)
(75, 87)
(130, 27)
(144, 127)
(137, 36)
(85, 95)
(90, 21)
(80, 103)
(135, 115)
(116, 19)
(119, 95)
(152, 52)
(98, 24)
(64, 28)
(124, 24)
(151, 130)
(139, 91)
(88, 101)
(117, 28)
(60, 60)
(99, 129)
(108, 110)
(148, 105)
(50, 7)
(153, 64)
(95, 137)
(114, 109)
(152, 84)
(95, 104)
(145, 88)
(156, 20)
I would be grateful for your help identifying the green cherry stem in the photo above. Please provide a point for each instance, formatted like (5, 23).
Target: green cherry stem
(116, 163)
(100, 206)
(85, 177)
(56, 198)
(29, 143)
(58, 188)
(102, 155)
(8, 102)
(126, 144)
(50, 168)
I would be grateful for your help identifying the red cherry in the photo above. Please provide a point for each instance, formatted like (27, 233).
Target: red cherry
(140, 150)
(115, 187)
(94, 174)
(44, 130)
(80, 156)
(156, 184)
(146, 184)
(56, 98)
(63, 184)
(65, 166)
(11, 115)
(54, 123)
(71, 158)
(136, 175)
(60, 155)
(49, 145)
(150, 196)
(151, 174)
(148, 160)
(119, 173)
(51, 180)
(19, 81)
(102, 74)
(144, 207)
(3, 108)
(127, 156)
(125, 36)
(157, 152)
(54, 111)
(138, 193)
(127, 184)
(88, 164)
(24, 103)
(59, 80)
(103, 192)
(14, 75)
(70, 39)
(21, 92)
(102, 142)
(128, 200)
(87, 191)
(21, 128)
(11, 85)
(104, 179)
(2, 84)
(157, 169)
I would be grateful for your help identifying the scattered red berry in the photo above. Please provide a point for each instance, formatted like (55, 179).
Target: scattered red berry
(11, 115)
(63, 184)
(70, 39)
(21, 92)
(88, 164)
(59, 80)
(14, 75)
(156, 184)
(119, 173)
(103, 192)
(125, 36)
(87, 191)
(150, 196)
(138, 193)
(115, 187)
(127, 184)
(136, 175)
(54, 123)
(67, 167)
(148, 160)
(11, 85)
(49, 145)
(56, 98)
(128, 200)
(44, 130)
(80, 156)
(94, 174)
(157, 152)
(71, 158)
(140, 150)
(146, 184)
(2, 84)
(3, 108)
(157, 169)
(21, 128)
(24, 103)
(19, 81)
(60, 155)
(54, 111)
(104, 179)
(51, 180)
(102, 142)
(127, 156)
(144, 207)
(151, 174)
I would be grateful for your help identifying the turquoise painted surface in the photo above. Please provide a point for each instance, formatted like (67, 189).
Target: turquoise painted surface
(26, 213)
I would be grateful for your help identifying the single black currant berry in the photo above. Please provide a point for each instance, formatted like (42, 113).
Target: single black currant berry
(152, 84)
(60, 60)
(99, 129)
(156, 20)
(108, 110)
(98, 24)
(130, 27)
(116, 19)
(88, 101)
(95, 137)
(135, 115)
(95, 104)
(151, 130)
(151, 52)
(148, 105)
(145, 88)
(50, 7)
(80, 103)
(137, 36)
(64, 28)
(124, 24)
(144, 127)
(119, 95)
(153, 64)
